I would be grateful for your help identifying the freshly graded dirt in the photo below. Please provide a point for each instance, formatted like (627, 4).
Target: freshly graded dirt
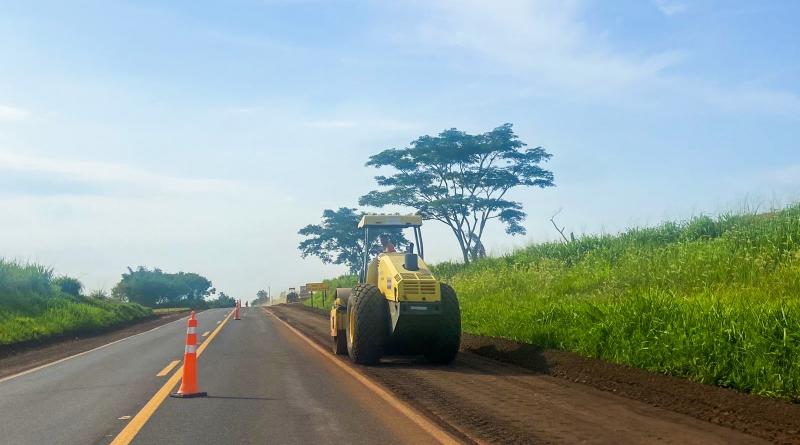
(776, 420)
(19, 359)
(504, 392)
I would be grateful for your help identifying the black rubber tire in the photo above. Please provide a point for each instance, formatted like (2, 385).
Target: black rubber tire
(370, 313)
(339, 343)
(444, 350)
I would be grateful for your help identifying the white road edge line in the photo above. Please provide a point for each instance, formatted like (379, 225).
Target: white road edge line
(20, 374)
(436, 431)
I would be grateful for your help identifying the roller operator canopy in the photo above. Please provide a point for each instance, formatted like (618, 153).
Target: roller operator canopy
(390, 221)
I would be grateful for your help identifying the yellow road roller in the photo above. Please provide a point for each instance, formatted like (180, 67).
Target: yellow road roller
(398, 307)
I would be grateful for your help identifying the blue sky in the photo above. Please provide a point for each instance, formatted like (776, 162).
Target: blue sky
(201, 136)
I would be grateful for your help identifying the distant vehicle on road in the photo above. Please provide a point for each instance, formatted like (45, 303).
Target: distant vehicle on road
(292, 296)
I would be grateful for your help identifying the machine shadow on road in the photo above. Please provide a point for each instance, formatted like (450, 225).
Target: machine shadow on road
(474, 362)
(531, 358)
(479, 355)
(240, 398)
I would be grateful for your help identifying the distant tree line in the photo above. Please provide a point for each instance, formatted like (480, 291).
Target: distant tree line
(262, 297)
(156, 288)
(222, 300)
(148, 287)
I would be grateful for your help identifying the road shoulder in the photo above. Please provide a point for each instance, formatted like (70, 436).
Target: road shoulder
(32, 357)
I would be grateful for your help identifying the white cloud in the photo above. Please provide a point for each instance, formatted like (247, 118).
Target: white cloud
(548, 45)
(11, 113)
(670, 7)
(542, 40)
(108, 173)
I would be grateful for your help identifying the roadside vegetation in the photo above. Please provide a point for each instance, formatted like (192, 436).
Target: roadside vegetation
(35, 305)
(222, 300)
(158, 289)
(715, 300)
(333, 283)
(334, 240)
(164, 291)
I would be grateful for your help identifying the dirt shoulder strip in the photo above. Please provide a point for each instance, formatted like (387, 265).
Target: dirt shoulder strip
(774, 420)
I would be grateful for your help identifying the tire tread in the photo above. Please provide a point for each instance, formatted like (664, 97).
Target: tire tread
(371, 324)
(444, 350)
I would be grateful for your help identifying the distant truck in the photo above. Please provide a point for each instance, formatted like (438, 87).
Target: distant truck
(292, 296)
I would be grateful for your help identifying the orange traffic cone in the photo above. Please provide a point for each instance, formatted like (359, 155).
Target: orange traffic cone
(189, 381)
(236, 311)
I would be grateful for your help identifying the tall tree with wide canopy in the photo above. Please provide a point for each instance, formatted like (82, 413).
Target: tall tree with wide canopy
(337, 240)
(462, 180)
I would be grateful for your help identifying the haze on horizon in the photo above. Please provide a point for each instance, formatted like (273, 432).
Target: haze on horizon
(202, 136)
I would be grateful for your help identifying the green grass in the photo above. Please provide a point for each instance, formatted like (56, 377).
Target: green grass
(333, 283)
(715, 300)
(32, 307)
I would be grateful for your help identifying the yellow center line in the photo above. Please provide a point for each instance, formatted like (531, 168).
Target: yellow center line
(205, 334)
(133, 427)
(168, 368)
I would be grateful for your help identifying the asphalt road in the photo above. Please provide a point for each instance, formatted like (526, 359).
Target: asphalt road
(265, 385)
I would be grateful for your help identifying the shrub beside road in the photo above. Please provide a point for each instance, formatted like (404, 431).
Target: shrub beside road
(34, 307)
(333, 283)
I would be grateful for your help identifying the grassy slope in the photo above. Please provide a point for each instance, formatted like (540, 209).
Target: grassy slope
(333, 283)
(32, 308)
(713, 300)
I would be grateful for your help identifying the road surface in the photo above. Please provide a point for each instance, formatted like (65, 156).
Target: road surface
(265, 385)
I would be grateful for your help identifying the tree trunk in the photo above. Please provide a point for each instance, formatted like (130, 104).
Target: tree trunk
(460, 237)
(478, 251)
